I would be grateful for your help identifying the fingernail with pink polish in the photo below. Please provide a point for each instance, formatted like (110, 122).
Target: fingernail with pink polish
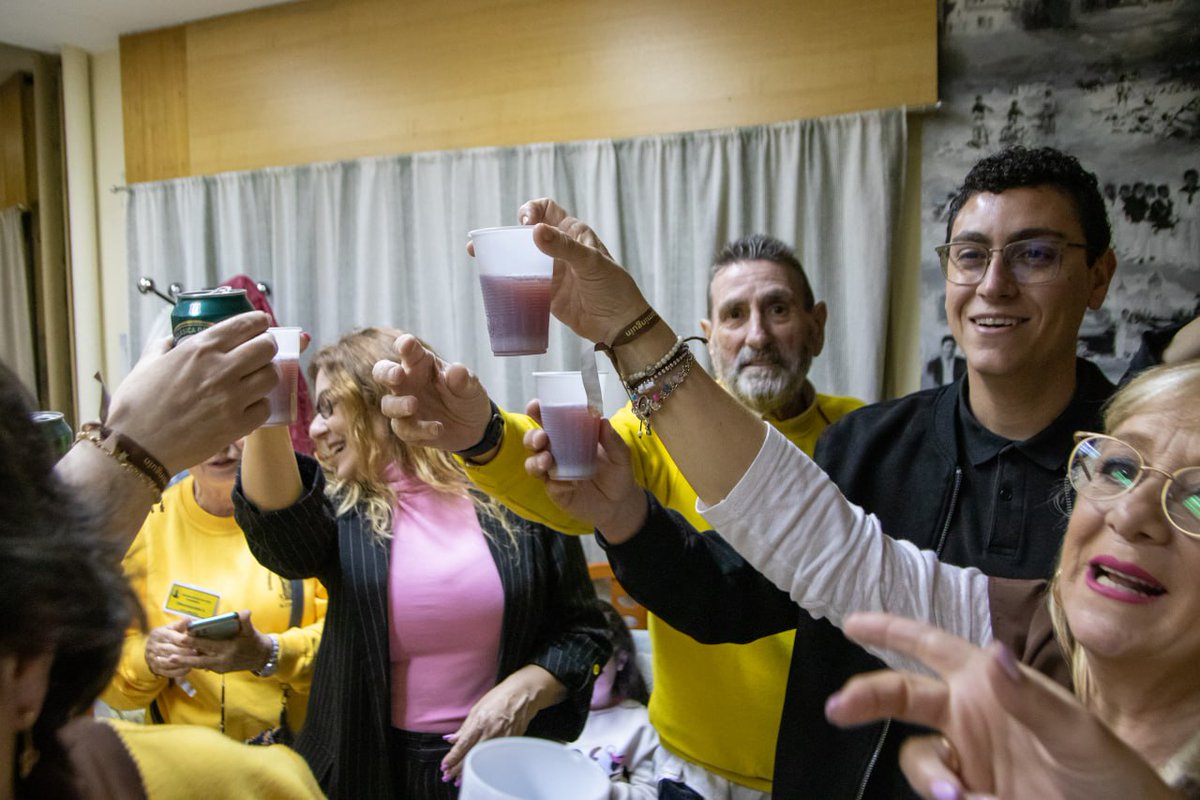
(944, 790)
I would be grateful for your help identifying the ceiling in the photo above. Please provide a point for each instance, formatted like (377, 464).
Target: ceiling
(94, 25)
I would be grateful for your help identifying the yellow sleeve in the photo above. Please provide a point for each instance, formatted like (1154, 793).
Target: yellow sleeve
(174, 761)
(298, 646)
(505, 479)
(133, 685)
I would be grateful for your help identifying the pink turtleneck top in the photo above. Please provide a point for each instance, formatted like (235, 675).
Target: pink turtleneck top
(446, 608)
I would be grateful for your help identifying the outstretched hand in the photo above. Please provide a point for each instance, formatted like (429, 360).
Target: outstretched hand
(611, 501)
(430, 401)
(1008, 731)
(186, 402)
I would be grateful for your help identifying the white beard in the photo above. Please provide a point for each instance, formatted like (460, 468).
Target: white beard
(764, 389)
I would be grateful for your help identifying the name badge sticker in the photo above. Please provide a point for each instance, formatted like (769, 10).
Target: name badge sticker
(191, 601)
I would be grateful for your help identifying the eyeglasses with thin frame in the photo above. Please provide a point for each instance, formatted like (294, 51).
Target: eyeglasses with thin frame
(1030, 261)
(325, 405)
(1104, 467)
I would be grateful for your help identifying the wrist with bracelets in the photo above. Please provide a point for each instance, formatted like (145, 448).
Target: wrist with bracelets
(649, 388)
(129, 454)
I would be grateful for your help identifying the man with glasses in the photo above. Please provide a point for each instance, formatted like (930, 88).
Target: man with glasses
(974, 470)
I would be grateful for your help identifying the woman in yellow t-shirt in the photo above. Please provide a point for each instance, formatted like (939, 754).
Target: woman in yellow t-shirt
(190, 560)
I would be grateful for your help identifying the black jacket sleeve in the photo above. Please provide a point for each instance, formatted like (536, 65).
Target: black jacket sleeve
(295, 542)
(697, 583)
(573, 644)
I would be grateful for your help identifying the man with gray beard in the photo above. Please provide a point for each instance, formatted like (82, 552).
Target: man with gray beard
(764, 330)
(716, 707)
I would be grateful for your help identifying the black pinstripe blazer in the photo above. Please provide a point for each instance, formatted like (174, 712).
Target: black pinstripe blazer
(551, 618)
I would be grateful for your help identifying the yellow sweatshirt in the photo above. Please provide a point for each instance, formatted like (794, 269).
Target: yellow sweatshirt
(185, 544)
(715, 705)
(181, 762)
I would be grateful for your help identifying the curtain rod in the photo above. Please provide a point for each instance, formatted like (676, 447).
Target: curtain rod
(927, 108)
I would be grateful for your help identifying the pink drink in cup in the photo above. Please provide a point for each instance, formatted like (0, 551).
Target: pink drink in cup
(518, 313)
(573, 432)
(514, 277)
(282, 399)
(573, 429)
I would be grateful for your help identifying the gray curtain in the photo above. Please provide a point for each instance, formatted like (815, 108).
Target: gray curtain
(16, 321)
(382, 240)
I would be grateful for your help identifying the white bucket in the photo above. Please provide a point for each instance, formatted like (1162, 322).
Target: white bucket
(524, 768)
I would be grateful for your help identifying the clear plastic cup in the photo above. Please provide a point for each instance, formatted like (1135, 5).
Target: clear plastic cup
(514, 277)
(573, 429)
(525, 768)
(282, 398)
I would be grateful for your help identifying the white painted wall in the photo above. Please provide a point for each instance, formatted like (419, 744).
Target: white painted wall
(82, 241)
(115, 282)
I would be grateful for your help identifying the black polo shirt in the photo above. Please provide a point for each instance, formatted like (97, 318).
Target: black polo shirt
(1013, 502)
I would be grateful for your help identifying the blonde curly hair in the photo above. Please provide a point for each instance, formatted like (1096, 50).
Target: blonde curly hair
(347, 365)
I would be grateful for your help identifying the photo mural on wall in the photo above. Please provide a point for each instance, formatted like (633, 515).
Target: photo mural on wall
(1115, 83)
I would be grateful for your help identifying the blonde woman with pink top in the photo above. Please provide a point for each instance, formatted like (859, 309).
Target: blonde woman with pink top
(450, 621)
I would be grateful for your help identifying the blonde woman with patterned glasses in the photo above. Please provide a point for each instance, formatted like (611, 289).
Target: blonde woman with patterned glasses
(450, 621)
(1126, 597)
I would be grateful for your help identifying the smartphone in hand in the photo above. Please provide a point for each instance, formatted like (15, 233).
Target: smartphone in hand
(222, 626)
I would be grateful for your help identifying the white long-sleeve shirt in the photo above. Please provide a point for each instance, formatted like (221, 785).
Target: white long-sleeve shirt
(790, 521)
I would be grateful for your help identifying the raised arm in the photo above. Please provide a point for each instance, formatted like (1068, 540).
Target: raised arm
(180, 404)
(711, 437)
(270, 477)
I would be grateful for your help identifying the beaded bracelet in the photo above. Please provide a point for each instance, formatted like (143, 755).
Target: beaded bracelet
(650, 379)
(664, 361)
(648, 402)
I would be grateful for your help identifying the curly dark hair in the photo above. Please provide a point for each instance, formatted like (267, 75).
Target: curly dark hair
(761, 247)
(64, 590)
(1018, 167)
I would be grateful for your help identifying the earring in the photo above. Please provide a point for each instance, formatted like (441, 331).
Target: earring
(29, 754)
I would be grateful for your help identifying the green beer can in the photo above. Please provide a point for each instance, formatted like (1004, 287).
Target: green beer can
(195, 311)
(53, 426)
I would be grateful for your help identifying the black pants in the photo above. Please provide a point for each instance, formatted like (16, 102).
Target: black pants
(417, 766)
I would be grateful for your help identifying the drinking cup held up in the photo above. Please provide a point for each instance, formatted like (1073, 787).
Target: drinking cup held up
(515, 279)
(287, 363)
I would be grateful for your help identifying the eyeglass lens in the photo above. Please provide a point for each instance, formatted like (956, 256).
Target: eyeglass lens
(1104, 468)
(1031, 261)
(325, 406)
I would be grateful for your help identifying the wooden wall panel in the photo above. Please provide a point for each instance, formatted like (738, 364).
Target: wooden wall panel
(332, 79)
(154, 89)
(18, 157)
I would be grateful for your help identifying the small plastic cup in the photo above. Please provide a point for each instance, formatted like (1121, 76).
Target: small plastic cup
(573, 430)
(282, 398)
(514, 277)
